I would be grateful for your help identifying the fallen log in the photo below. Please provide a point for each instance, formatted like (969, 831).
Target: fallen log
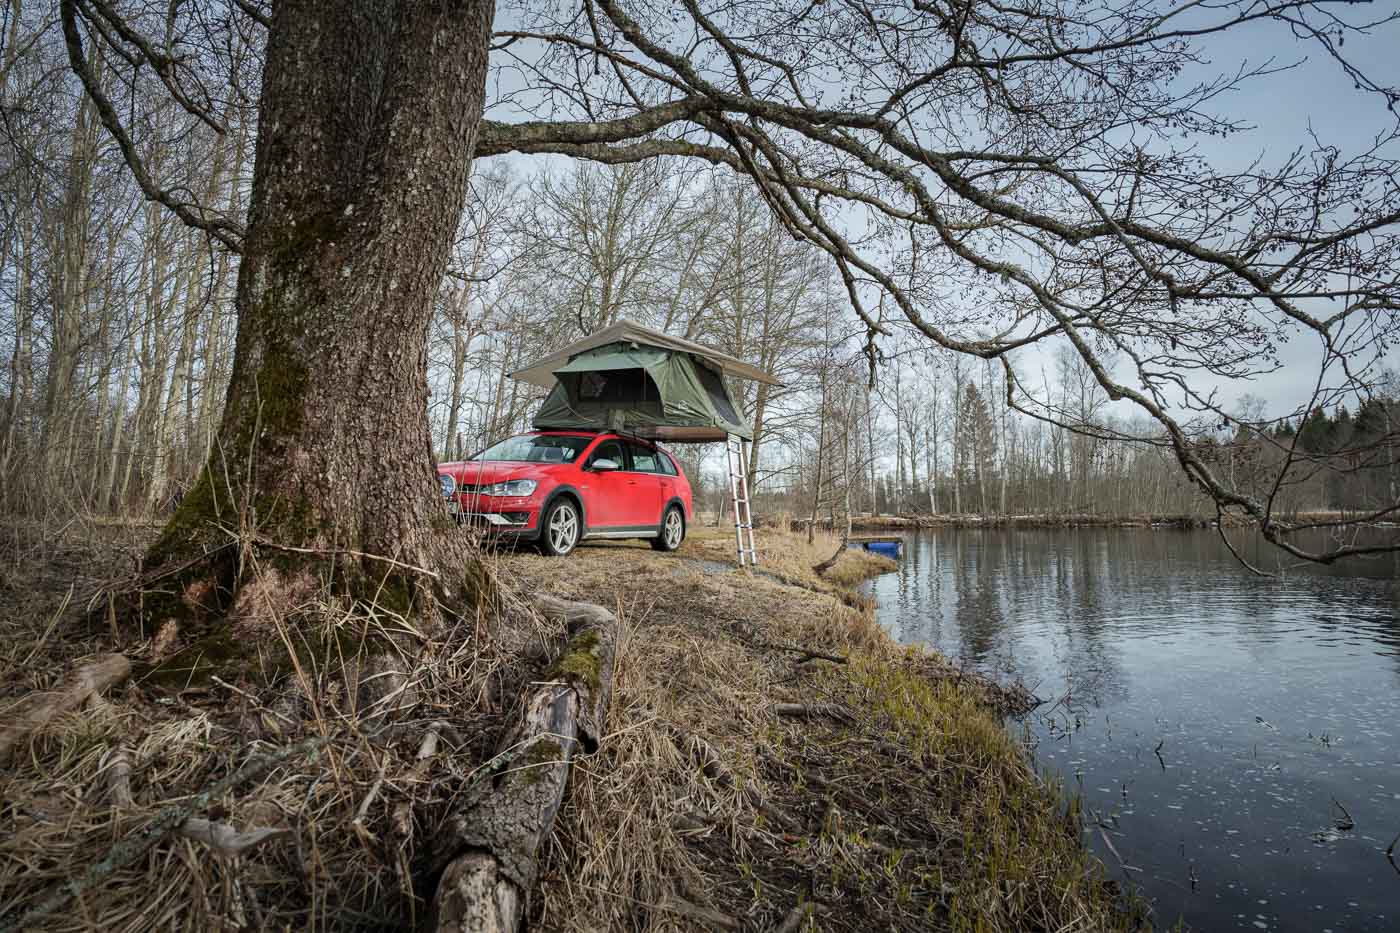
(489, 849)
(37, 710)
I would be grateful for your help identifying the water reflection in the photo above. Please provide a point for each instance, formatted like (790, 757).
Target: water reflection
(1218, 724)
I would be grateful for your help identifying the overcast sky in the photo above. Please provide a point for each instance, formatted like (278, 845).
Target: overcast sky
(1282, 108)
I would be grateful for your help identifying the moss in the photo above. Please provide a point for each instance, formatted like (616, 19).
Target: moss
(580, 663)
(394, 593)
(544, 751)
(216, 651)
(479, 586)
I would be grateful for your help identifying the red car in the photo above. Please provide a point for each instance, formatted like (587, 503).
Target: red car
(558, 487)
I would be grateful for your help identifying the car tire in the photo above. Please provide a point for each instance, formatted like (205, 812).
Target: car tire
(672, 530)
(560, 528)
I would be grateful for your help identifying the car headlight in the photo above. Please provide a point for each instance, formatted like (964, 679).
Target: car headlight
(515, 487)
(449, 485)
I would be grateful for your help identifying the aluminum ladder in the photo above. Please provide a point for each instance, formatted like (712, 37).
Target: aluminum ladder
(738, 459)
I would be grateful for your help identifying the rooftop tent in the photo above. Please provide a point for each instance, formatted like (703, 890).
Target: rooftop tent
(642, 390)
(631, 378)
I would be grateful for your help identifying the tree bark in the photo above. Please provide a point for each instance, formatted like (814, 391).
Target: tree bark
(367, 121)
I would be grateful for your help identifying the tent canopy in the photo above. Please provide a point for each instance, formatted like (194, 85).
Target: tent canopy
(643, 382)
(541, 373)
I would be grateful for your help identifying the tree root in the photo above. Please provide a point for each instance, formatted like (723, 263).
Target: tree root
(36, 710)
(830, 562)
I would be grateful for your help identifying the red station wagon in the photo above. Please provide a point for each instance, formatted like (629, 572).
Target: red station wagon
(558, 487)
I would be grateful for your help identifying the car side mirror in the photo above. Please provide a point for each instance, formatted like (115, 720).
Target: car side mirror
(604, 464)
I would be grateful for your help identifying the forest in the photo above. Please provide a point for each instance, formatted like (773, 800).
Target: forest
(119, 338)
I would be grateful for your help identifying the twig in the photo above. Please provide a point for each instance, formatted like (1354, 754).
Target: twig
(705, 915)
(257, 704)
(165, 823)
(795, 919)
(808, 654)
(119, 777)
(53, 622)
(224, 839)
(403, 812)
(344, 552)
(703, 754)
(358, 824)
(1346, 823)
(1112, 848)
(812, 711)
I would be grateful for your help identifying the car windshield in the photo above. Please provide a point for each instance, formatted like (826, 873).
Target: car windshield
(536, 448)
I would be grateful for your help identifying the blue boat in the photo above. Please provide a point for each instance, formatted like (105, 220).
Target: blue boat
(889, 549)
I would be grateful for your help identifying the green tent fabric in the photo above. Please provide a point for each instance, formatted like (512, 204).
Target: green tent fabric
(643, 390)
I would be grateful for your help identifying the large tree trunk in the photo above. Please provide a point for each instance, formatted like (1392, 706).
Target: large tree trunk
(368, 117)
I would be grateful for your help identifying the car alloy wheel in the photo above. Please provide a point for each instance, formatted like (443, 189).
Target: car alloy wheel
(674, 529)
(561, 528)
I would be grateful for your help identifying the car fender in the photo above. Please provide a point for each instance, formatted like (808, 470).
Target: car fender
(674, 500)
(558, 491)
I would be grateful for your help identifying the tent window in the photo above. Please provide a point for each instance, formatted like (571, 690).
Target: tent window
(714, 387)
(617, 385)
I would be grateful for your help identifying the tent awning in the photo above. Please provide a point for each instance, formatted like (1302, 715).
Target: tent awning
(541, 372)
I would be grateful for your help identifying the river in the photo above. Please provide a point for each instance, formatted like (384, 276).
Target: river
(1235, 740)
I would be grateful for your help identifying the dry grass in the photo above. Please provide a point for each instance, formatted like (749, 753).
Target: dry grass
(700, 808)
(916, 810)
(350, 860)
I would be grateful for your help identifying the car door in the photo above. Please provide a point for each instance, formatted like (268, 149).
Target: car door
(608, 493)
(648, 495)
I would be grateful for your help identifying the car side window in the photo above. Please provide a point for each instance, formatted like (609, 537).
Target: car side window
(644, 459)
(609, 450)
(667, 466)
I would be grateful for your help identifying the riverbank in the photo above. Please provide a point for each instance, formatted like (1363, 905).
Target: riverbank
(771, 761)
(913, 521)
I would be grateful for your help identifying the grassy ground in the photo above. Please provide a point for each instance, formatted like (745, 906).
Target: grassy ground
(899, 802)
(904, 805)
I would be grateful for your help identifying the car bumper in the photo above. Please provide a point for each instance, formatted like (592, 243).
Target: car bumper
(497, 516)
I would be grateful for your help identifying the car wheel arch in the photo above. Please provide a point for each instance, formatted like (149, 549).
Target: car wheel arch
(678, 503)
(572, 494)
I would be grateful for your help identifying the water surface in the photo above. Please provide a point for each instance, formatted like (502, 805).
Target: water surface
(1222, 729)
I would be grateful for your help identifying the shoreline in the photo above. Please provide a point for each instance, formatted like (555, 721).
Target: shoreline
(916, 521)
